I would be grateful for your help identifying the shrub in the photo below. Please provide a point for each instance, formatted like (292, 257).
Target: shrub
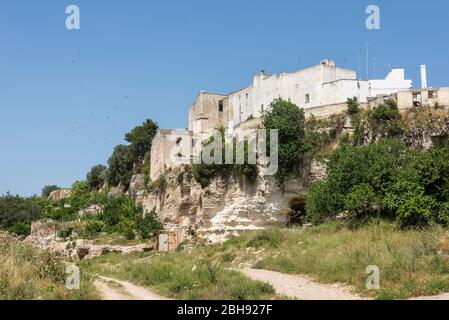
(147, 225)
(416, 212)
(65, 233)
(353, 106)
(93, 228)
(126, 228)
(180, 177)
(20, 229)
(159, 184)
(361, 202)
(385, 119)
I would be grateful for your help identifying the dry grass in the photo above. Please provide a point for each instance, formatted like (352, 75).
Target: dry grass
(181, 275)
(412, 263)
(27, 273)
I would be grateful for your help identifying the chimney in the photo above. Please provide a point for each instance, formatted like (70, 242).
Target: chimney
(423, 76)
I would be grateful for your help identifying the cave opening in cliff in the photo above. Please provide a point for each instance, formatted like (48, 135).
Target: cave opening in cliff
(297, 210)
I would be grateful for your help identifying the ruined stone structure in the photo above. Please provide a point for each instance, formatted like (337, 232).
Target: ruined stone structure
(60, 194)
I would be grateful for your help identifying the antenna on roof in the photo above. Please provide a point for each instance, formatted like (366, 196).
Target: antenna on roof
(360, 64)
(367, 44)
(298, 63)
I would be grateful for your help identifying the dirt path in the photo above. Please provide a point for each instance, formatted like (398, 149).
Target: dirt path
(113, 289)
(300, 287)
(444, 296)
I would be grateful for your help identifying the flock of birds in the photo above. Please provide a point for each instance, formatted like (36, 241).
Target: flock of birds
(79, 128)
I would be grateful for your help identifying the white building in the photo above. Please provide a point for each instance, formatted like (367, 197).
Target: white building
(317, 86)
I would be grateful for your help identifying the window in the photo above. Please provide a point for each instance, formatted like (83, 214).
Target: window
(261, 108)
(247, 95)
(308, 98)
(220, 106)
(178, 141)
(433, 94)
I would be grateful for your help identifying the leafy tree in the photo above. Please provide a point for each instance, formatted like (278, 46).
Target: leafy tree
(288, 118)
(353, 106)
(46, 190)
(97, 176)
(117, 209)
(120, 166)
(372, 167)
(80, 196)
(17, 213)
(141, 138)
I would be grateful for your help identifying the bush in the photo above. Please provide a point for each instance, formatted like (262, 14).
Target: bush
(20, 229)
(385, 119)
(361, 202)
(93, 228)
(65, 233)
(159, 184)
(147, 225)
(353, 106)
(126, 228)
(417, 211)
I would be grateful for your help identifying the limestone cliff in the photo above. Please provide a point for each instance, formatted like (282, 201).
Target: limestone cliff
(228, 206)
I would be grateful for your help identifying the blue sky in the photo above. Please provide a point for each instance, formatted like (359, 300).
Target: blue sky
(68, 97)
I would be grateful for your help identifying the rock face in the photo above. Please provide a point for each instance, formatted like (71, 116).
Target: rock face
(229, 205)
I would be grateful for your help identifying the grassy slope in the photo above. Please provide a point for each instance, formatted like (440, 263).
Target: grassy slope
(412, 262)
(180, 275)
(27, 273)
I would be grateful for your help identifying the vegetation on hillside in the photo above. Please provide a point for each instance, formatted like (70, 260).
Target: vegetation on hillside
(412, 262)
(28, 273)
(288, 119)
(205, 172)
(180, 275)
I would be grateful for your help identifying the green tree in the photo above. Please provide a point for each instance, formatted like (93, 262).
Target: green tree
(141, 138)
(353, 106)
(46, 190)
(17, 213)
(120, 166)
(80, 196)
(288, 118)
(96, 176)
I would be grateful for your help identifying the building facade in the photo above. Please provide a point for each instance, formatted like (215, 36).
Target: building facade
(321, 90)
